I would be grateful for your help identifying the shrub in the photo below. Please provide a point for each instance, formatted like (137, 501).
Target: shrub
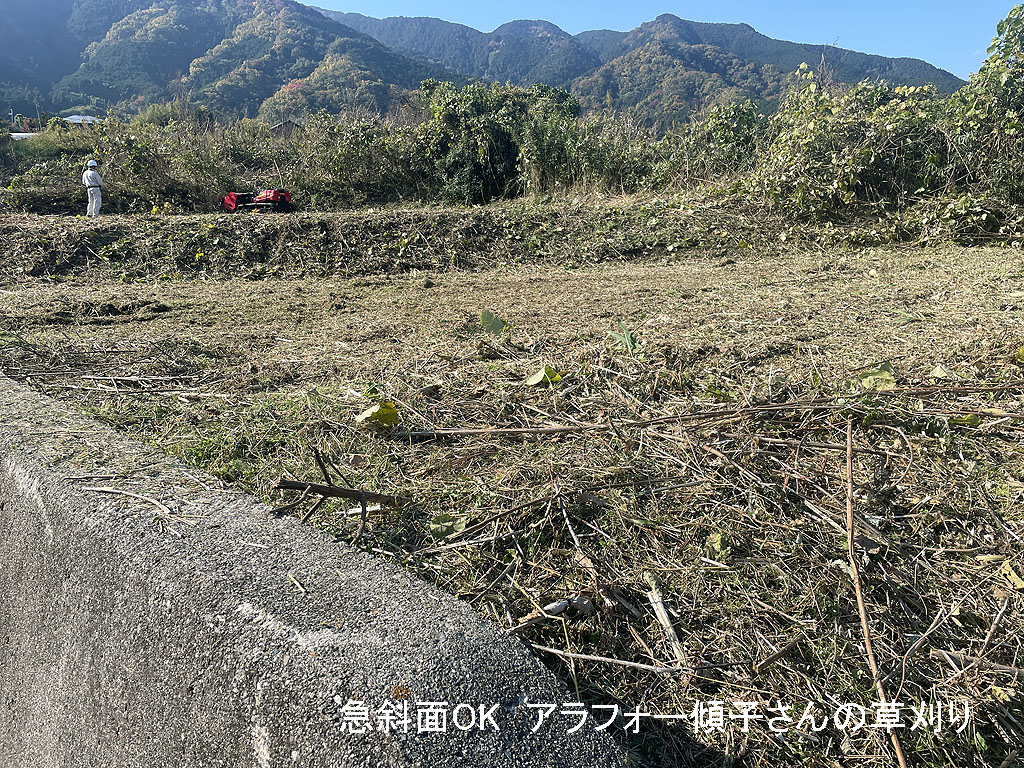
(835, 149)
(985, 117)
(7, 160)
(482, 142)
(355, 162)
(616, 155)
(470, 140)
(719, 145)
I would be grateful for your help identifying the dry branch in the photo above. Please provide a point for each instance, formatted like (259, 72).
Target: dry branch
(342, 493)
(865, 625)
(657, 602)
(766, 662)
(705, 418)
(962, 662)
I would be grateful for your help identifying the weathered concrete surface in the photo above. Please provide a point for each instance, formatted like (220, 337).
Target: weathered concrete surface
(128, 640)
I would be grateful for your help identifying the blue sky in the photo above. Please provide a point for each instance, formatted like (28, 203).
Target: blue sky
(951, 35)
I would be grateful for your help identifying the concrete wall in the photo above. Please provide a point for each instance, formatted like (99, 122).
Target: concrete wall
(127, 639)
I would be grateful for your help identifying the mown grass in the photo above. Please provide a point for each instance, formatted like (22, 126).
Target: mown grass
(739, 517)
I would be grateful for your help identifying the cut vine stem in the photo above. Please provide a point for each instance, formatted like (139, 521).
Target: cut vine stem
(865, 626)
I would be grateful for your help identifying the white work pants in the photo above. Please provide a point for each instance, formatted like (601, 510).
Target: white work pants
(95, 200)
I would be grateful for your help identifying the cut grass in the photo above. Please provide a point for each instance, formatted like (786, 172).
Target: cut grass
(739, 518)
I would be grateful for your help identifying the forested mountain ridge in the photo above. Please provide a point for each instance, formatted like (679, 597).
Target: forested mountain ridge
(236, 57)
(279, 58)
(665, 81)
(747, 44)
(663, 70)
(520, 52)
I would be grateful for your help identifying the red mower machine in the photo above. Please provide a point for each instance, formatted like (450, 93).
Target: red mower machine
(274, 200)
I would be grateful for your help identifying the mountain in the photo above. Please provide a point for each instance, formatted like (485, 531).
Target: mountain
(140, 54)
(238, 57)
(665, 81)
(746, 43)
(663, 70)
(603, 43)
(38, 48)
(291, 53)
(519, 52)
(278, 58)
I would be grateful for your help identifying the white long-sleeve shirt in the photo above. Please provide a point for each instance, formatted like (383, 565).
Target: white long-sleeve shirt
(91, 178)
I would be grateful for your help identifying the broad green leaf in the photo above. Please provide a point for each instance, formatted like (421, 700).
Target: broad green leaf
(491, 323)
(544, 377)
(443, 526)
(385, 414)
(880, 379)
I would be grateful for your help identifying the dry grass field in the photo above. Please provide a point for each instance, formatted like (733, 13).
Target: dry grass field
(663, 516)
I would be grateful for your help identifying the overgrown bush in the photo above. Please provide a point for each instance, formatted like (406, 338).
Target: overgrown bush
(357, 162)
(616, 155)
(719, 146)
(470, 141)
(837, 148)
(985, 117)
(550, 139)
(7, 161)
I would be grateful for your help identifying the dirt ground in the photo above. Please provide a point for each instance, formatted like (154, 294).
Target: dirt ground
(737, 518)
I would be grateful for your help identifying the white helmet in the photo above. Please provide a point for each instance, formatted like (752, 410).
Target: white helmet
(92, 164)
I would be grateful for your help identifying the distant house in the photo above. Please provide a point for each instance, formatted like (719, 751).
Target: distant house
(83, 121)
(284, 130)
(20, 136)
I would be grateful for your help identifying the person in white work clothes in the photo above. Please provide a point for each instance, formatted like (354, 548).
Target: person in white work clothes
(94, 185)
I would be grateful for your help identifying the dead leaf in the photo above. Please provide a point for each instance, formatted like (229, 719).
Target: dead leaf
(1011, 576)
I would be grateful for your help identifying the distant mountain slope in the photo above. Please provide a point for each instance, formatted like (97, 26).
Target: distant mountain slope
(280, 46)
(746, 43)
(43, 41)
(141, 54)
(603, 43)
(664, 81)
(279, 58)
(38, 48)
(520, 52)
(663, 70)
(90, 19)
(229, 55)
(454, 46)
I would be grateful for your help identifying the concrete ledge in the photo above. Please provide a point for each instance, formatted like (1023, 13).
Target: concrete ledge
(131, 640)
